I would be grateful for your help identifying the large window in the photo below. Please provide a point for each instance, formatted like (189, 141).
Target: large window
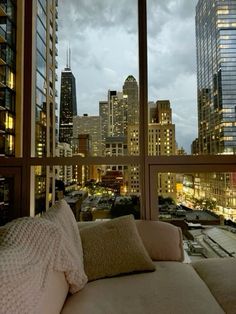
(114, 126)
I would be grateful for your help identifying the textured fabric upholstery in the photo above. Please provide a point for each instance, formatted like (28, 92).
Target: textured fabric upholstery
(54, 294)
(113, 248)
(220, 276)
(174, 288)
(62, 216)
(163, 241)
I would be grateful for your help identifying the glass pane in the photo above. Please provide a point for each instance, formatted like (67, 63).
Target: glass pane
(204, 206)
(190, 195)
(99, 75)
(6, 202)
(191, 66)
(41, 189)
(94, 192)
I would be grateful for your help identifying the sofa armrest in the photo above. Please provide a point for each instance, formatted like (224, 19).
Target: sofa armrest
(219, 275)
(162, 240)
(54, 294)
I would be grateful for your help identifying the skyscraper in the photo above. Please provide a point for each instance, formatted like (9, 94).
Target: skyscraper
(103, 113)
(216, 76)
(161, 142)
(130, 91)
(68, 104)
(7, 78)
(89, 125)
(27, 102)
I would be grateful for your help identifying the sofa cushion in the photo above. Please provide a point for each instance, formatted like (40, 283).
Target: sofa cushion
(112, 248)
(162, 240)
(219, 274)
(173, 288)
(62, 216)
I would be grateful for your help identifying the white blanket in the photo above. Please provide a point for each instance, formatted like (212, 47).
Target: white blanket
(29, 248)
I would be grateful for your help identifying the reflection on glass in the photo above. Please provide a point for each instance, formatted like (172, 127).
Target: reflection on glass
(40, 189)
(6, 185)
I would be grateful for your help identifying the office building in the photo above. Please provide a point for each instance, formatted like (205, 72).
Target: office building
(161, 142)
(89, 125)
(216, 78)
(27, 93)
(117, 114)
(68, 104)
(116, 146)
(120, 109)
(103, 113)
(130, 92)
(8, 13)
(81, 146)
(64, 173)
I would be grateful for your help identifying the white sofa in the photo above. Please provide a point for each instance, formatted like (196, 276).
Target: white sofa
(174, 287)
(207, 286)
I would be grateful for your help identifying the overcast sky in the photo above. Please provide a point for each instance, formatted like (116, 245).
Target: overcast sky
(103, 38)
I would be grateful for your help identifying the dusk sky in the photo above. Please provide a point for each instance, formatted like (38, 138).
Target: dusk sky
(103, 38)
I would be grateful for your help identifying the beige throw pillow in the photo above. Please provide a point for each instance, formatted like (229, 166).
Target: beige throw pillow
(162, 240)
(112, 248)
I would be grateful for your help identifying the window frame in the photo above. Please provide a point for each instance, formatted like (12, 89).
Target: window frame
(149, 165)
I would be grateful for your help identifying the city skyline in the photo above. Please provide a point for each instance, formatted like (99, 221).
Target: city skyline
(97, 67)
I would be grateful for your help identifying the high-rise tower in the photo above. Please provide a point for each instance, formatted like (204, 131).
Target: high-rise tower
(130, 90)
(216, 76)
(161, 142)
(68, 104)
(27, 104)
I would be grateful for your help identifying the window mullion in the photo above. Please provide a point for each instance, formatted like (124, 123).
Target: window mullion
(143, 100)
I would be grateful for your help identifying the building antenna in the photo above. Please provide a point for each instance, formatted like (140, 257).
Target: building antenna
(67, 65)
(69, 57)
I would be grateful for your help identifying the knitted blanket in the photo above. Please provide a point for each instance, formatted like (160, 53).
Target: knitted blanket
(29, 249)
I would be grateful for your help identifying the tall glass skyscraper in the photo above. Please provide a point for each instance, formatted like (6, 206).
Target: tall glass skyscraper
(7, 77)
(27, 104)
(216, 78)
(68, 104)
(216, 75)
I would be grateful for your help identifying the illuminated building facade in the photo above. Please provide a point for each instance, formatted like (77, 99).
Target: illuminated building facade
(27, 88)
(103, 113)
(64, 173)
(7, 78)
(130, 92)
(68, 104)
(216, 77)
(117, 114)
(89, 125)
(44, 111)
(161, 142)
(81, 146)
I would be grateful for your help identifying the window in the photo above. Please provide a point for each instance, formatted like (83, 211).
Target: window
(137, 140)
